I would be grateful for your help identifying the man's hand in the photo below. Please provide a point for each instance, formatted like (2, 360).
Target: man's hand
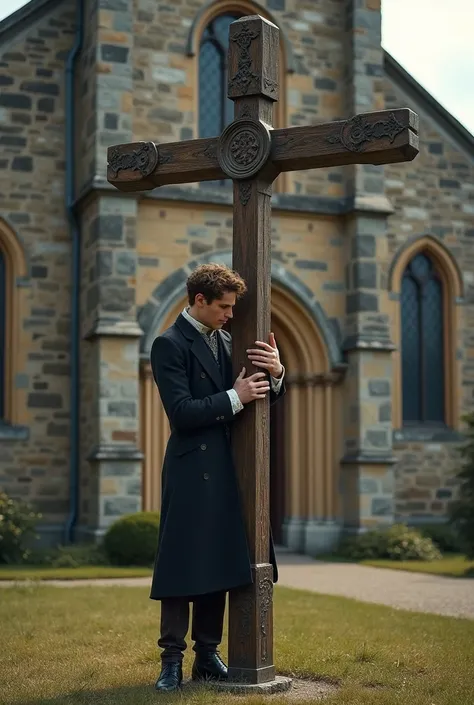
(253, 387)
(267, 357)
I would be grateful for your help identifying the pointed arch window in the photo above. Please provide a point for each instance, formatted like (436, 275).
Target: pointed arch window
(216, 111)
(3, 315)
(12, 355)
(423, 342)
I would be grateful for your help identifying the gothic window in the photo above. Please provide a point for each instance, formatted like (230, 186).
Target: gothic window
(3, 308)
(216, 111)
(422, 344)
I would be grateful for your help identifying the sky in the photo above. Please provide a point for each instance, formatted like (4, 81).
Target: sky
(431, 39)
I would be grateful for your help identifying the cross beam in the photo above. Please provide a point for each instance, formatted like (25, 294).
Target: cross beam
(382, 137)
(252, 154)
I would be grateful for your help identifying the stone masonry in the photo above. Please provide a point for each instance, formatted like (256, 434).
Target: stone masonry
(335, 231)
(34, 457)
(434, 195)
(110, 459)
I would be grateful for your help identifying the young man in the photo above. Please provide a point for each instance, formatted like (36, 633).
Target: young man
(202, 550)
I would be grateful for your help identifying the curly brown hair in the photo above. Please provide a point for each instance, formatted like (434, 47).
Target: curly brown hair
(213, 281)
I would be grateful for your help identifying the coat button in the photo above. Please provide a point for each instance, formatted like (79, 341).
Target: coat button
(206, 476)
(203, 446)
(203, 374)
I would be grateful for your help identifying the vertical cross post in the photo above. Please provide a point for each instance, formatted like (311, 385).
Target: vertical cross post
(244, 151)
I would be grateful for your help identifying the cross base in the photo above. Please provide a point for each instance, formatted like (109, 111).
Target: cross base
(280, 684)
(253, 676)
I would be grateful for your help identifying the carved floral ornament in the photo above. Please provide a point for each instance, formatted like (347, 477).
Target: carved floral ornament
(144, 158)
(357, 131)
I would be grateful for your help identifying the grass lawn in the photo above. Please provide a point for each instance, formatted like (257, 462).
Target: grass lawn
(87, 572)
(97, 645)
(453, 566)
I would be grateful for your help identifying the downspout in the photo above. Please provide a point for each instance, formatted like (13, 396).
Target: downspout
(75, 273)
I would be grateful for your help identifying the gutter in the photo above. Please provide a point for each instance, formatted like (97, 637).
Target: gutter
(70, 114)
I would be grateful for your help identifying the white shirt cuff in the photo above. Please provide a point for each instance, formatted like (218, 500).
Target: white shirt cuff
(235, 401)
(277, 382)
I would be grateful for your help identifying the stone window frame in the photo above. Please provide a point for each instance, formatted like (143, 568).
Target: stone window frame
(453, 293)
(15, 274)
(243, 8)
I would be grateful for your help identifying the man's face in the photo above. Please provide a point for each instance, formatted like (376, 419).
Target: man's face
(217, 313)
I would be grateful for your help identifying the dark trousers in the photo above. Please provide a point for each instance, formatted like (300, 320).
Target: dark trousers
(207, 624)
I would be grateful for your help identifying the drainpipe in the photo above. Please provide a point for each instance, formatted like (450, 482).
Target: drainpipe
(75, 273)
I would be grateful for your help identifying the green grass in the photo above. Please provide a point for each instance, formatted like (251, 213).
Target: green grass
(453, 566)
(87, 572)
(97, 645)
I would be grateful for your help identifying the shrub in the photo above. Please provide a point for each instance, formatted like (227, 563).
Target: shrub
(17, 528)
(444, 536)
(132, 539)
(71, 556)
(461, 512)
(397, 542)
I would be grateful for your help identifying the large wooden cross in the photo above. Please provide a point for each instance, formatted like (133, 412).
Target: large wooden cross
(252, 154)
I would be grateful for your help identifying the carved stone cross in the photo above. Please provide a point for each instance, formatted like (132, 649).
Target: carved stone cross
(251, 153)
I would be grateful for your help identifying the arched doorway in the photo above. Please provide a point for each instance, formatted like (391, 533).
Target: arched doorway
(305, 431)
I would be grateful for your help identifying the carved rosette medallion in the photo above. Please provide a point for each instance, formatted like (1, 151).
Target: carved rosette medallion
(144, 158)
(357, 131)
(244, 148)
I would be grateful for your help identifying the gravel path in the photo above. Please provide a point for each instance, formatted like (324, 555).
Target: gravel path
(396, 588)
(418, 592)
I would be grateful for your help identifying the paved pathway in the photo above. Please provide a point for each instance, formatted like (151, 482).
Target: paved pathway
(396, 588)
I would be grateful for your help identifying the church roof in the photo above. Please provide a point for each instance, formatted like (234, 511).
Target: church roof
(28, 14)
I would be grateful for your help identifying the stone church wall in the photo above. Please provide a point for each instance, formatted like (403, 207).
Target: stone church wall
(34, 465)
(166, 76)
(434, 195)
(173, 235)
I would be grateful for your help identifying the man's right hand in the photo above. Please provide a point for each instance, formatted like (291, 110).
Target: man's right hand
(253, 387)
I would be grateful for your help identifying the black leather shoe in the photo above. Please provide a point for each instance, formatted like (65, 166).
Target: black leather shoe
(170, 677)
(209, 667)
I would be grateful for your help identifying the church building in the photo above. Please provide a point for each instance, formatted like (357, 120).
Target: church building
(372, 267)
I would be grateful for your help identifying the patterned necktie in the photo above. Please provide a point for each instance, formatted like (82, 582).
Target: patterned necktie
(211, 340)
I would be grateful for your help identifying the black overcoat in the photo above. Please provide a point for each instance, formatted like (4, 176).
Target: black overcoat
(202, 544)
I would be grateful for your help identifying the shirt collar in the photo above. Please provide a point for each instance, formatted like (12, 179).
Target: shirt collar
(204, 330)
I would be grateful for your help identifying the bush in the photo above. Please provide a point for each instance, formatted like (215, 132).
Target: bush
(132, 539)
(397, 542)
(17, 528)
(71, 556)
(444, 536)
(462, 511)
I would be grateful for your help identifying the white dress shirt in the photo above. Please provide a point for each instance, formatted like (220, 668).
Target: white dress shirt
(209, 336)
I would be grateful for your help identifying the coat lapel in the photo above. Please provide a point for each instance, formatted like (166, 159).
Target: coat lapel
(204, 354)
(201, 350)
(225, 351)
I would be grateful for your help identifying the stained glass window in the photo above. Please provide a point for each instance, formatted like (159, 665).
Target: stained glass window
(3, 306)
(215, 109)
(422, 343)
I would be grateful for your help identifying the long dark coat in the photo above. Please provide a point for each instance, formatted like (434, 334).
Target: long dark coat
(202, 546)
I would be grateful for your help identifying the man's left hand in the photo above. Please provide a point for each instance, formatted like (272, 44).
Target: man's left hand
(267, 356)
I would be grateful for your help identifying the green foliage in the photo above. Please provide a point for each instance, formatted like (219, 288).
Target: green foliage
(444, 536)
(462, 511)
(17, 528)
(397, 542)
(132, 539)
(74, 556)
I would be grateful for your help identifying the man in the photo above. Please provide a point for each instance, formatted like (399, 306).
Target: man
(202, 550)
